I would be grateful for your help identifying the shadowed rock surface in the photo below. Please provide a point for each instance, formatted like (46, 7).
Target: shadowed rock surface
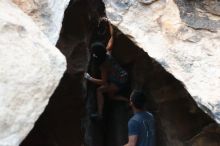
(60, 124)
(179, 120)
(183, 37)
(159, 29)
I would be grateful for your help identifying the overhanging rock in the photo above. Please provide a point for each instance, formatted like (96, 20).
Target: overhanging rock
(186, 46)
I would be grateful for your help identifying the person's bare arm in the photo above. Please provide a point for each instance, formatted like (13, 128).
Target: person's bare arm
(96, 81)
(132, 140)
(101, 81)
(111, 40)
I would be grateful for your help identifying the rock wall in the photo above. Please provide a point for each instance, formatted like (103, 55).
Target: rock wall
(47, 14)
(30, 70)
(60, 124)
(182, 36)
(179, 121)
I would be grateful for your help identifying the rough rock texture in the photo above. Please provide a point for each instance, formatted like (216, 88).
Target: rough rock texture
(183, 37)
(60, 124)
(47, 14)
(184, 46)
(179, 121)
(30, 70)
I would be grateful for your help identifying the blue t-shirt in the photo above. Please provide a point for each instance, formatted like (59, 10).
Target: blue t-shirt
(142, 124)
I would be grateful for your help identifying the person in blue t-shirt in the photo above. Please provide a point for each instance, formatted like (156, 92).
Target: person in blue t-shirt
(141, 127)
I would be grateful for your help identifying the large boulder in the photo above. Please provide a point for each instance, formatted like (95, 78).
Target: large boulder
(183, 37)
(30, 70)
(47, 14)
(59, 125)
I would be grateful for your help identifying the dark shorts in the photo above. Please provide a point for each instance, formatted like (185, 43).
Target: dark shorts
(123, 88)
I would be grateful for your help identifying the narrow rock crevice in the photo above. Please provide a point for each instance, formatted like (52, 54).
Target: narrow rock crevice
(65, 120)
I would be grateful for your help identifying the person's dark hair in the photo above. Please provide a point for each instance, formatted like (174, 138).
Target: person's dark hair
(98, 53)
(138, 99)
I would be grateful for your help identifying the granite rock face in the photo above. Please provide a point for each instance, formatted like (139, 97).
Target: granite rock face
(179, 121)
(30, 70)
(183, 36)
(47, 14)
(60, 124)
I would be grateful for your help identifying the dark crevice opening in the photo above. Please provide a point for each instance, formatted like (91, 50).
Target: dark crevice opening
(65, 120)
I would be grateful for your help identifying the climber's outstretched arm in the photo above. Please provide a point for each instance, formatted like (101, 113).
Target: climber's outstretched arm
(111, 40)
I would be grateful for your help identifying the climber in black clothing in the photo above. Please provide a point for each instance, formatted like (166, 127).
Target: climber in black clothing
(113, 77)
